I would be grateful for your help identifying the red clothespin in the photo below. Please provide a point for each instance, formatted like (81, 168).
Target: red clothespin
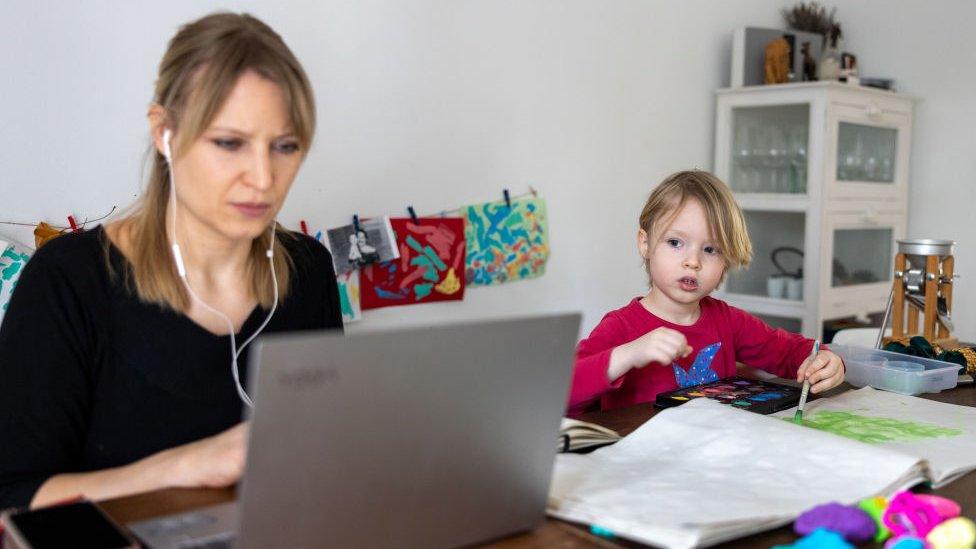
(71, 222)
(301, 223)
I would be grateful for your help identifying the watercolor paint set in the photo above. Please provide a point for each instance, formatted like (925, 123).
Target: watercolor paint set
(762, 397)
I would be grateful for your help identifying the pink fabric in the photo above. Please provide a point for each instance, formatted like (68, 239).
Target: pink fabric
(742, 337)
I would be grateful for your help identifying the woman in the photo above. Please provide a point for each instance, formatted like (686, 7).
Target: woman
(133, 386)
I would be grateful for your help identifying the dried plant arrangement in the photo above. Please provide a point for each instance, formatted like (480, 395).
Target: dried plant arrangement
(814, 17)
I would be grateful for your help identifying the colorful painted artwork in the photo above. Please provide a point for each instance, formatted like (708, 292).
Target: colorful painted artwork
(349, 296)
(506, 243)
(13, 257)
(430, 267)
(874, 429)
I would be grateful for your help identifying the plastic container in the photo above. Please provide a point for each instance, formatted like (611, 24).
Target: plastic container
(895, 372)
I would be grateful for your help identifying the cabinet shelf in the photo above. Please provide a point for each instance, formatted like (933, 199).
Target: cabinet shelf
(788, 308)
(772, 202)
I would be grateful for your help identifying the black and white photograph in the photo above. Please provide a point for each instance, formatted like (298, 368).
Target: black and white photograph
(374, 241)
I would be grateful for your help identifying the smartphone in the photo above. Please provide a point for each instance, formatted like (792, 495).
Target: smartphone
(79, 524)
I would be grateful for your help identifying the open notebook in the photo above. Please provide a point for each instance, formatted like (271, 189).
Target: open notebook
(575, 435)
(942, 435)
(703, 472)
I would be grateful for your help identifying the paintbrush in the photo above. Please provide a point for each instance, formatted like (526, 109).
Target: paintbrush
(798, 416)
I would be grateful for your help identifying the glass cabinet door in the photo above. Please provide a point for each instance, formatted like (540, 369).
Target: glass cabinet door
(862, 256)
(860, 245)
(776, 270)
(866, 153)
(769, 149)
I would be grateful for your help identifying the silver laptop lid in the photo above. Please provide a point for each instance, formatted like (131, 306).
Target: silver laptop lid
(426, 437)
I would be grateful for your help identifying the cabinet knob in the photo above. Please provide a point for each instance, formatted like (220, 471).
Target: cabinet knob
(873, 111)
(870, 216)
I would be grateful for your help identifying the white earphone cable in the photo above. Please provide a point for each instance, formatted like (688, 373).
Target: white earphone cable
(181, 269)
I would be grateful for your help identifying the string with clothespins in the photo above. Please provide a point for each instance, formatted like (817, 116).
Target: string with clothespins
(72, 224)
(507, 198)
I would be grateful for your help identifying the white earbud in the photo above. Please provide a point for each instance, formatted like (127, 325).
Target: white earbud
(167, 151)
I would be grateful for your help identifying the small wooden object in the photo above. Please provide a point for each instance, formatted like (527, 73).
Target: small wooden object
(777, 66)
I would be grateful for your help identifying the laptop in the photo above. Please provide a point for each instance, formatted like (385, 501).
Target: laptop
(424, 437)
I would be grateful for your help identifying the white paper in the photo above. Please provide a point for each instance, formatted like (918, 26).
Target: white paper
(704, 472)
(948, 456)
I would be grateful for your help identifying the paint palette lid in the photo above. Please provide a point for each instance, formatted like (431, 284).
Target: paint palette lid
(895, 372)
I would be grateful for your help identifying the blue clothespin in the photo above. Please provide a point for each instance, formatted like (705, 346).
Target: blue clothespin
(355, 222)
(413, 215)
(508, 200)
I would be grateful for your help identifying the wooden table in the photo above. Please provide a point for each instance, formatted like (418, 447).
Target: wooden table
(552, 533)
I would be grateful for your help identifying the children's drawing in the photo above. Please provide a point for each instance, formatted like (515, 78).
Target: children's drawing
(506, 243)
(348, 282)
(430, 267)
(349, 296)
(874, 429)
(13, 257)
(701, 370)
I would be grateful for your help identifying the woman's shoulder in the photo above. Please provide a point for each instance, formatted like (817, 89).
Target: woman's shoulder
(81, 252)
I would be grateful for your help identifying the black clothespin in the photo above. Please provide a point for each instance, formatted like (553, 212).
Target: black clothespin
(508, 199)
(413, 215)
(355, 222)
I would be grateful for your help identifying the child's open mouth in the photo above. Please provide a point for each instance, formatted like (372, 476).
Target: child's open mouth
(688, 284)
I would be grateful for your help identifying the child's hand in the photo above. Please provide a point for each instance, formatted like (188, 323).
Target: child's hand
(825, 371)
(661, 346)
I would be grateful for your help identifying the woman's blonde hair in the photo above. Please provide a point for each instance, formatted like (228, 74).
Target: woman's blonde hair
(198, 71)
(725, 222)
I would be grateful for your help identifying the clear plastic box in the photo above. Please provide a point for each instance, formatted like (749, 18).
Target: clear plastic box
(895, 372)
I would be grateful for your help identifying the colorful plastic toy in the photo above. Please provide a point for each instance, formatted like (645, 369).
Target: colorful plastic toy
(909, 515)
(955, 533)
(850, 522)
(875, 507)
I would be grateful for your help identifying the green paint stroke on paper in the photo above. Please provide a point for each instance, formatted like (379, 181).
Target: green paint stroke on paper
(874, 429)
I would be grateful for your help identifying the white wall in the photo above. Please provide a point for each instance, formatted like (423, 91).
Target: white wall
(442, 103)
(927, 47)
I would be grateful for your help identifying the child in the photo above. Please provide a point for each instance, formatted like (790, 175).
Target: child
(691, 232)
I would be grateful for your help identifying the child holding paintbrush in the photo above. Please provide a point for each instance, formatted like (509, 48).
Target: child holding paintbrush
(691, 232)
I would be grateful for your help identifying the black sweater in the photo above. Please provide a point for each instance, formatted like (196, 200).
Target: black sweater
(91, 377)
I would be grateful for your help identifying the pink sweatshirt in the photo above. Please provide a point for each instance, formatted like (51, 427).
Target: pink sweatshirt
(722, 336)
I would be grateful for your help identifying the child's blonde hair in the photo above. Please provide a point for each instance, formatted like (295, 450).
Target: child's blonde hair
(725, 221)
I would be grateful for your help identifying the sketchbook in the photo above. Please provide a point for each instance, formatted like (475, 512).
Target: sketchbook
(575, 435)
(703, 473)
(942, 435)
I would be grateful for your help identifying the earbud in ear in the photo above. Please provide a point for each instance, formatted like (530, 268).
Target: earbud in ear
(167, 152)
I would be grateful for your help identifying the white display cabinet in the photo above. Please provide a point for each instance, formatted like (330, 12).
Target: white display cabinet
(821, 172)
